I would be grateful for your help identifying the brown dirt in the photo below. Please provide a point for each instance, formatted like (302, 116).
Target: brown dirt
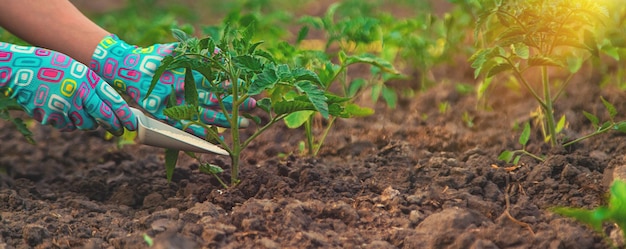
(412, 177)
(392, 180)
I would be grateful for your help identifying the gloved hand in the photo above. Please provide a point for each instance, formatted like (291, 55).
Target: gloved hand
(57, 90)
(130, 69)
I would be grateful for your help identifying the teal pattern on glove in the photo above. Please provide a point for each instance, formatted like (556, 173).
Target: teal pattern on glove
(130, 69)
(57, 90)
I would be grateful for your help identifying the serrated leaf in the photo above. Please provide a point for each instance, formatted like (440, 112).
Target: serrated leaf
(315, 95)
(609, 107)
(248, 62)
(181, 112)
(522, 51)
(371, 60)
(191, 93)
(302, 74)
(23, 129)
(525, 136)
(499, 68)
(180, 35)
(165, 63)
(265, 80)
(287, 107)
(284, 73)
(297, 119)
(264, 104)
(543, 61)
(171, 157)
(592, 118)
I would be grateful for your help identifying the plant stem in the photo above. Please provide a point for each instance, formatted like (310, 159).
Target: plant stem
(548, 108)
(595, 133)
(308, 131)
(323, 138)
(234, 175)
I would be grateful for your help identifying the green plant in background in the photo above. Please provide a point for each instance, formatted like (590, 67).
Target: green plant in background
(539, 37)
(290, 89)
(614, 212)
(348, 42)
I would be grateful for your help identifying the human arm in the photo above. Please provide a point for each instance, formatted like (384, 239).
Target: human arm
(53, 24)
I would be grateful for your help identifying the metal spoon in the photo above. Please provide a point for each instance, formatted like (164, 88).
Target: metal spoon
(155, 133)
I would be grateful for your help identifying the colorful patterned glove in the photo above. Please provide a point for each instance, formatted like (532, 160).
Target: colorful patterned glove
(130, 69)
(57, 90)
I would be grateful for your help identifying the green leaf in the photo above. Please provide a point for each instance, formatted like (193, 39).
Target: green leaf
(499, 68)
(302, 74)
(180, 35)
(609, 107)
(355, 86)
(390, 97)
(592, 118)
(291, 106)
(543, 61)
(211, 169)
(356, 111)
(506, 156)
(191, 93)
(560, 125)
(621, 127)
(516, 159)
(297, 119)
(593, 218)
(248, 62)
(171, 156)
(315, 95)
(23, 129)
(182, 112)
(372, 60)
(165, 63)
(264, 104)
(284, 73)
(302, 34)
(522, 51)
(265, 80)
(574, 63)
(525, 136)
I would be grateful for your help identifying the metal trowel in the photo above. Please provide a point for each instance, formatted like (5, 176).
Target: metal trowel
(155, 133)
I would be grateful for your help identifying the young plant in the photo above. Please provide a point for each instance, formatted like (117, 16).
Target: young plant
(348, 42)
(239, 59)
(513, 156)
(613, 212)
(523, 37)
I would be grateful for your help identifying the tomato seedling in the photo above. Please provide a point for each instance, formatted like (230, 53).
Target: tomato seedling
(239, 59)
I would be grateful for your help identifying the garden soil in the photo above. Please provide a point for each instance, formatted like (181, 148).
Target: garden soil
(410, 177)
(417, 176)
